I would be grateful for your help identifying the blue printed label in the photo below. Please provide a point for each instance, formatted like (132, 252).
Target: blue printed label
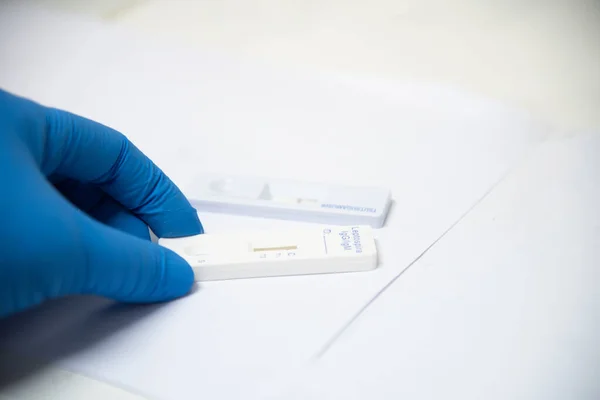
(349, 208)
(351, 240)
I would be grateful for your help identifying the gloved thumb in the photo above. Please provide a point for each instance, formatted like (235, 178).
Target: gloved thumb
(51, 249)
(126, 268)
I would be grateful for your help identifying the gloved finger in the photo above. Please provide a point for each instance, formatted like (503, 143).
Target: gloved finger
(51, 249)
(112, 214)
(84, 196)
(102, 208)
(89, 152)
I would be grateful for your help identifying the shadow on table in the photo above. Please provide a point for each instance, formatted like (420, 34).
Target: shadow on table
(37, 338)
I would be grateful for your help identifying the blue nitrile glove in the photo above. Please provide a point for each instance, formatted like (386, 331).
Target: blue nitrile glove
(76, 200)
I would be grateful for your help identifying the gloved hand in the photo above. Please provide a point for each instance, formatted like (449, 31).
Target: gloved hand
(76, 201)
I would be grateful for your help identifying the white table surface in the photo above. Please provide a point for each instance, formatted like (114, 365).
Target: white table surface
(440, 150)
(542, 56)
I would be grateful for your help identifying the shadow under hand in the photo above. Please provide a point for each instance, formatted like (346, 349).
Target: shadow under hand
(37, 338)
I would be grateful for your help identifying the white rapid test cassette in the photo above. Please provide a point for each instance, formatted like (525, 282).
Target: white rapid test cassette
(277, 253)
(292, 200)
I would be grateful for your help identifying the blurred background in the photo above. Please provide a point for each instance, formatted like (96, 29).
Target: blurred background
(543, 56)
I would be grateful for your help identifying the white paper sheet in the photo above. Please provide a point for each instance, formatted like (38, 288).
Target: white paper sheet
(438, 150)
(505, 307)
